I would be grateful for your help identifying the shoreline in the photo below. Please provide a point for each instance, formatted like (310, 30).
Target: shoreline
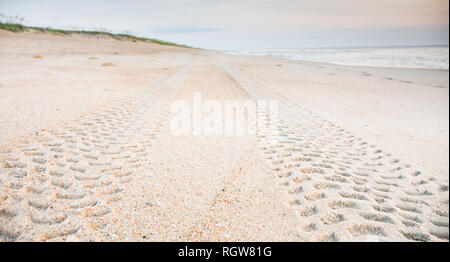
(338, 64)
(333, 64)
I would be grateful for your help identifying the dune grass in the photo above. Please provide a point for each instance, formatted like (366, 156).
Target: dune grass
(12, 27)
(16, 28)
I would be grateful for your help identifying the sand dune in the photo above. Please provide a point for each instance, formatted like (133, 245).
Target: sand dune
(87, 153)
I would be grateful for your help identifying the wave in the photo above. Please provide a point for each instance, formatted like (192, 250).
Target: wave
(407, 57)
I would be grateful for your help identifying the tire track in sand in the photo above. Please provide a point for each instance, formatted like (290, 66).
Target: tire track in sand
(63, 182)
(341, 187)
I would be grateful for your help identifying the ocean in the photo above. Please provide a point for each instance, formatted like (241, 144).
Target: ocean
(434, 57)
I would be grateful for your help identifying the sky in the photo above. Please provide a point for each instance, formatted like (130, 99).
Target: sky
(250, 24)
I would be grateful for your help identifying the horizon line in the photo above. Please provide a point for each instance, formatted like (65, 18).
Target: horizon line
(343, 47)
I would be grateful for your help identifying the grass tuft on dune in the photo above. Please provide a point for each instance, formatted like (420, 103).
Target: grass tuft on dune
(16, 28)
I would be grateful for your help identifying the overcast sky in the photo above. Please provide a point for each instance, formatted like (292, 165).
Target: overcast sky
(250, 24)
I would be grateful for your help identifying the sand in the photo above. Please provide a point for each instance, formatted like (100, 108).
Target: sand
(87, 153)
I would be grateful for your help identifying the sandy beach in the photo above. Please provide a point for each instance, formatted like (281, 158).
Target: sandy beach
(87, 153)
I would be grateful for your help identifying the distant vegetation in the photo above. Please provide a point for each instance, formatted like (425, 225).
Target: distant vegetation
(15, 27)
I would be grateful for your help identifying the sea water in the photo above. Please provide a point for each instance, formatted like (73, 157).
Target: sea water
(434, 57)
